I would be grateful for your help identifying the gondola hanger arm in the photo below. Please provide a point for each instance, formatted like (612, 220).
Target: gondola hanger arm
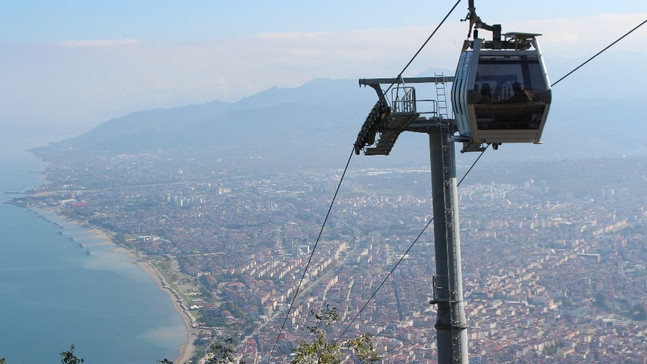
(476, 23)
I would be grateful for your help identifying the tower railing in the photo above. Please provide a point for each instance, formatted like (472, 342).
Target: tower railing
(403, 99)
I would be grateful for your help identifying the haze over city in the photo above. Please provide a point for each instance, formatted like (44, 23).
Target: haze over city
(167, 167)
(67, 67)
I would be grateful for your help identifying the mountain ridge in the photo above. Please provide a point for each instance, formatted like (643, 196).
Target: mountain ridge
(323, 115)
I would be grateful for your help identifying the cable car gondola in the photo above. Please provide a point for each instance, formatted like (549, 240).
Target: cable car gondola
(501, 92)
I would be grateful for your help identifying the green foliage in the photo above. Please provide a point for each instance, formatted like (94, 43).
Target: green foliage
(320, 350)
(365, 348)
(324, 351)
(325, 317)
(68, 357)
(211, 317)
(221, 352)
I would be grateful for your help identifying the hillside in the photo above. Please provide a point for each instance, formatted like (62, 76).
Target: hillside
(316, 124)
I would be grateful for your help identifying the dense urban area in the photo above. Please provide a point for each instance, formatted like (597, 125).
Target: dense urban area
(554, 254)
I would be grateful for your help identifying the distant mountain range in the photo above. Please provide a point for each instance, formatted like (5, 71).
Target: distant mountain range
(317, 123)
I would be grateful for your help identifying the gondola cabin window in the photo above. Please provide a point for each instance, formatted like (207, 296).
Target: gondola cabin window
(507, 87)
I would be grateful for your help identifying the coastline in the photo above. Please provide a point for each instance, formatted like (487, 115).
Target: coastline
(187, 349)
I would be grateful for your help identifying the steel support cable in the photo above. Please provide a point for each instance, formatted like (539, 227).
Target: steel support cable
(600, 52)
(405, 253)
(342, 178)
(471, 167)
(399, 77)
(296, 293)
(431, 220)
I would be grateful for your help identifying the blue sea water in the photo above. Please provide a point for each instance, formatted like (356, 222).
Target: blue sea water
(54, 294)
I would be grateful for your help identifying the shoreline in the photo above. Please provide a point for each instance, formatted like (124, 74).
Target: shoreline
(187, 349)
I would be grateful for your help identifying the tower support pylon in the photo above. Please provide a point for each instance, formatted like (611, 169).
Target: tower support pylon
(389, 123)
(451, 324)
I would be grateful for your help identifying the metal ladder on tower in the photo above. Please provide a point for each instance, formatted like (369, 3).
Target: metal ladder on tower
(441, 96)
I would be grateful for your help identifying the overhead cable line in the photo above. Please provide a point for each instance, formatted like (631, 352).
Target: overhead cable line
(600, 52)
(399, 77)
(342, 178)
(422, 46)
(465, 175)
(339, 185)
(296, 293)
(471, 167)
(405, 253)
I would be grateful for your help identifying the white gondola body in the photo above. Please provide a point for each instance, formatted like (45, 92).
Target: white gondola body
(501, 96)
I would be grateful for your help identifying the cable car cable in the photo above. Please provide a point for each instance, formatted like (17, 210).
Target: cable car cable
(342, 178)
(600, 52)
(399, 77)
(465, 175)
(458, 184)
(405, 253)
(339, 185)
(431, 220)
(296, 293)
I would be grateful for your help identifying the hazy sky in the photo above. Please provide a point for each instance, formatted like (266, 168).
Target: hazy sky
(66, 66)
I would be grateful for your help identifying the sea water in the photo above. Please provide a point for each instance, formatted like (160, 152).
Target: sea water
(61, 285)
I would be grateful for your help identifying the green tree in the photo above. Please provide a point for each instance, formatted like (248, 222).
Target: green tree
(221, 352)
(68, 357)
(365, 348)
(322, 350)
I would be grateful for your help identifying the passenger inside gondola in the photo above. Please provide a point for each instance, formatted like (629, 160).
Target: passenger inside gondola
(511, 107)
(519, 95)
(486, 94)
(484, 114)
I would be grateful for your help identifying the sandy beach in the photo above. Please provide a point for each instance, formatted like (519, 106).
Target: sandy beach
(187, 350)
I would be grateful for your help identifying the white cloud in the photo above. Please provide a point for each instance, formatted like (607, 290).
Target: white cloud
(93, 79)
